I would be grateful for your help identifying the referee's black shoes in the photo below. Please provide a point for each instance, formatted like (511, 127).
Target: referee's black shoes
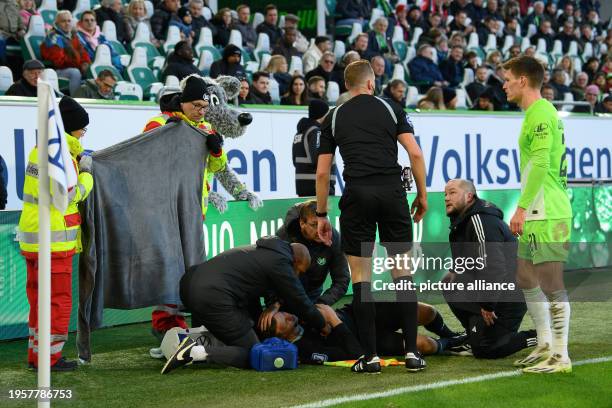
(414, 362)
(368, 367)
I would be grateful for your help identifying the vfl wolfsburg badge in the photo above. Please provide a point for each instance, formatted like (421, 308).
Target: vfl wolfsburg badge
(321, 261)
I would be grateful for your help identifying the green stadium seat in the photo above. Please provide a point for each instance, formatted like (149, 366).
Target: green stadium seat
(6, 79)
(102, 61)
(401, 49)
(139, 72)
(127, 91)
(173, 37)
(30, 43)
(142, 39)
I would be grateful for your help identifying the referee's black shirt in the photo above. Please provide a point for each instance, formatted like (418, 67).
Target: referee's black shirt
(365, 130)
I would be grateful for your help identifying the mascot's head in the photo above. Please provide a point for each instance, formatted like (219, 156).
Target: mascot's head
(223, 118)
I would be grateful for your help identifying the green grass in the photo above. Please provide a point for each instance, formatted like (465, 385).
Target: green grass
(123, 375)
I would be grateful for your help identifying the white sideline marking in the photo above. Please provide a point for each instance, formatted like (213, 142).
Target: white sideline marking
(434, 385)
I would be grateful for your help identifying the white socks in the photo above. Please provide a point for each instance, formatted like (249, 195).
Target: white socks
(198, 353)
(560, 315)
(538, 307)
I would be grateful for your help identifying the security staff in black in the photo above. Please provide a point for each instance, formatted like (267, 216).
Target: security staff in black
(478, 232)
(367, 129)
(305, 150)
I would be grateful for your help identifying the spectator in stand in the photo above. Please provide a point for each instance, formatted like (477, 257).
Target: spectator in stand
(479, 85)
(457, 39)
(350, 56)
(11, 25)
(591, 96)
(278, 67)
(601, 82)
(26, 86)
(198, 21)
(492, 10)
(452, 67)
(301, 42)
(471, 61)
(244, 97)
(313, 55)
(604, 106)
(494, 59)
(260, 89)
(360, 45)
(496, 83)
(65, 4)
(90, 36)
(111, 10)
(550, 14)
(396, 91)
(229, 64)
(459, 24)
(548, 93)
(160, 21)
(450, 98)
(578, 87)
(316, 88)
(558, 82)
(594, 21)
(400, 18)
(325, 69)
(591, 68)
(530, 51)
(424, 71)
(484, 102)
(442, 48)
(415, 18)
(567, 65)
(567, 15)
(243, 24)
(380, 79)
(223, 26)
(285, 45)
(514, 51)
(457, 6)
(587, 37)
(434, 21)
(512, 23)
(184, 25)
(136, 14)
(545, 32)
(297, 95)
(269, 25)
(27, 9)
(352, 11)
(567, 35)
(546, 79)
(490, 27)
(100, 88)
(433, 99)
(180, 62)
(379, 43)
(476, 12)
(63, 49)
(535, 17)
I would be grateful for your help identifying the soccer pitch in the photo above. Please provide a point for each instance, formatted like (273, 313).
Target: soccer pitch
(123, 375)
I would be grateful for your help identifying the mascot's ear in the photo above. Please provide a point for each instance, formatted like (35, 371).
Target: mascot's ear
(231, 86)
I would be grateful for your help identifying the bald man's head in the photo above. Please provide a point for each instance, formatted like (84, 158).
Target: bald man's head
(301, 258)
(459, 195)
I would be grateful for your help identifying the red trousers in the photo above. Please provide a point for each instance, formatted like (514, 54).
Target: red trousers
(61, 304)
(165, 317)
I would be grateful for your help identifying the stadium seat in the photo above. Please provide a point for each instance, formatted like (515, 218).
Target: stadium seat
(234, 15)
(376, 13)
(157, 65)
(400, 49)
(525, 43)
(412, 96)
(588, 51)
(215, 54)
(262, 47)
(531, 30)
(398, 72)
(281, 21)
(410, 53)
(274, 91)
(398, 34)
(265, 60)
(573, 49)
(468, 77)
(142, 39)
(150, 8)
(415, 37)
(154, 91)
(128, 91)
(557, 51)
(236, 38)
(48, 11)
(50, 76)
(102, 60)
(434, 52)
(541, 47)
(258, 18)
(205, 40)
(355, 31)
(172, 82)
(296, 65)
(339, 49)
(251, 67)
(30, 43)
(81, 6)
(6, 79)
(508, 42)
(333, 92)
(473, 41)
(207, 57)
(207, 13)
(172, 37)
(568, 97)
(110, 33)
(603, 49)
(139, 72)
(461, 99)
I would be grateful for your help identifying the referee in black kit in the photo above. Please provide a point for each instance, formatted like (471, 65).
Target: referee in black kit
(366, 129)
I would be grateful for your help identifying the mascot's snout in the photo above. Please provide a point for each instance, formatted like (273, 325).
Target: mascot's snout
(245, 119)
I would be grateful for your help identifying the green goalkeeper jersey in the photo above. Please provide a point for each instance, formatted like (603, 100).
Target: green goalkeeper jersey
(543, 164)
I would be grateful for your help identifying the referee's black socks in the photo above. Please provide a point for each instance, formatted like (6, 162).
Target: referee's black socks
(408, 306)
(365, 317)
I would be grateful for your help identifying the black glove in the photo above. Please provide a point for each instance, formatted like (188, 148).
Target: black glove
(173, 119)
(214, 142)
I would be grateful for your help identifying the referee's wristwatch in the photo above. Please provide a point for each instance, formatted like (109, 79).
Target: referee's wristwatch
(321, 214)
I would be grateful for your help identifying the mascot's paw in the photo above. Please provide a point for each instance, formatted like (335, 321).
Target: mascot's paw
(218, 201)
(254, 201)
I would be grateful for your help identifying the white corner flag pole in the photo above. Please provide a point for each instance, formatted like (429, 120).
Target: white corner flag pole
(44, 248)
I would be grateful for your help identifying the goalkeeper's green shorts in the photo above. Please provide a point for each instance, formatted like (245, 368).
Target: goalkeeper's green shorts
(545, 241)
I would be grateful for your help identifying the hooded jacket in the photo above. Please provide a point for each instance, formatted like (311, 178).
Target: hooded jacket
(64, 50)
(325, 261)
(91, 41)
(179, 67)
(482, 233)
(240, 275)
(305, 156)
(223, 67)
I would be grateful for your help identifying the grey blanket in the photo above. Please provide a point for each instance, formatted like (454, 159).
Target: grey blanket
(142, 224)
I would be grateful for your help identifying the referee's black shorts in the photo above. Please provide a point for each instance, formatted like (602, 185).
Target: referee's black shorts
(363, 207)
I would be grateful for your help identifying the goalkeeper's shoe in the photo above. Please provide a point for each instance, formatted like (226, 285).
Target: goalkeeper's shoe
(368, 367)
(414, 362)
(554, 364)
(540, 353)
(181, 356)
(463, 350)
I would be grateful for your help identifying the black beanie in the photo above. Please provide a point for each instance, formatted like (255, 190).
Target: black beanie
(448, 95)
(317, 109)
(195, 89)
(73, 114)
(231, 49)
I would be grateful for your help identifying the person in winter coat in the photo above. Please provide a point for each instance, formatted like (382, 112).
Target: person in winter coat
(168, 11)
(26, 86)
(229, 64)
(100, 88)
(180, 62)
(425, 71)
(112, 10)
(90, 36)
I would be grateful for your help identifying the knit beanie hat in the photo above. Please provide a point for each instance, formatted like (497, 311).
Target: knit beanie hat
(448, 95)
(195, 89)
(317, 109)
(73, 114)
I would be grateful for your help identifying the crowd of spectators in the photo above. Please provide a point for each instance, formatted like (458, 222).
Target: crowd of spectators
(450, 51)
